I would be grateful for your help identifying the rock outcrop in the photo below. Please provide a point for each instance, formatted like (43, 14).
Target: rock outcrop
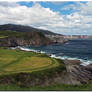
(13, 39)
(57, 38)
(77, 73)
(29, 38)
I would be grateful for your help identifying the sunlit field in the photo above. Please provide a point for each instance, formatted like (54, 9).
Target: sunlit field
(15, 61)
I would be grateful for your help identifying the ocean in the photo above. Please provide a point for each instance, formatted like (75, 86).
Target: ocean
(74, 49)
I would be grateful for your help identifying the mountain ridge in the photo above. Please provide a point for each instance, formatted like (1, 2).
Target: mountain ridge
(23, 28)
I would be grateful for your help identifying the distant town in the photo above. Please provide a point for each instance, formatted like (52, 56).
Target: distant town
(70, 36)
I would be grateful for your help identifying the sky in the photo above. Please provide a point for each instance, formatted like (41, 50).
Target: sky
(68, 18)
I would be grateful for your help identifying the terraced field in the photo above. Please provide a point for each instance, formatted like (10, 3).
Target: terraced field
(15, 61)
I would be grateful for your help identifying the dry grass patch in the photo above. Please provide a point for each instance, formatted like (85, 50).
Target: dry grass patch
(29, 63)
(15, 61)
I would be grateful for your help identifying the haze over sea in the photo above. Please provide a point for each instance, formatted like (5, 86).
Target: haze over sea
(74, 49)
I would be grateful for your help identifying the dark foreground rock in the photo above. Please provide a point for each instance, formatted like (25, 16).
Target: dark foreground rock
(77, 73)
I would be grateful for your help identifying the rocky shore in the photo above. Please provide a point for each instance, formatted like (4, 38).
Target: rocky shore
(77, 73)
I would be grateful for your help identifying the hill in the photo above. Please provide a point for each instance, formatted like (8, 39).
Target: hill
(13, 38)
(18, 35)
(21, 28)
(24, 61)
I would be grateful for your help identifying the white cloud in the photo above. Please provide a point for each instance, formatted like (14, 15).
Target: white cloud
(36, 16)
(86, 9)
(71, 6)
(45, 18)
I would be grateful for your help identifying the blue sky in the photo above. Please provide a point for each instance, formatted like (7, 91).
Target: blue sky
(55, 6)
(68, 18)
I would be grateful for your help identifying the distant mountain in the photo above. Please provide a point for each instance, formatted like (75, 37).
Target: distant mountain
(21, 28)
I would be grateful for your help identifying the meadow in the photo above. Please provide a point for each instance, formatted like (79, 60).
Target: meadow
(57, 87)
(15, 61)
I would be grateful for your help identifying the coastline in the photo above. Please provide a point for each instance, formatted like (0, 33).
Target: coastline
(77, 73)
(82, 62)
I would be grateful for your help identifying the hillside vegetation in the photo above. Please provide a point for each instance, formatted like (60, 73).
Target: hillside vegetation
(22, 28)
(58, 87)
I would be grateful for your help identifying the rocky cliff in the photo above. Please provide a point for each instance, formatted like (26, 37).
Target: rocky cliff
(13, 38)
(25, 39)
(77, 73)
(57, 38)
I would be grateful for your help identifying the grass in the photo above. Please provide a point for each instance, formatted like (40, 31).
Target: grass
(24, 35)
(4, 34)
(14, 61)
(1, 36)
(58, 87)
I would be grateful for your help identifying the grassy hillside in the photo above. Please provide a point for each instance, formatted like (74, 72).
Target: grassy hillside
(14, 61)
(26, 35)
(23, 69)
(4, 34)
(21, 28)
(58, 87)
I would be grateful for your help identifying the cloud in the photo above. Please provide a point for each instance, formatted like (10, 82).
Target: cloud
(78, 22)
(8, 4)
(86, 9)
(34, 16)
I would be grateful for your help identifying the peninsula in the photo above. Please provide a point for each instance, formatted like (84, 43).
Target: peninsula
(36, 71)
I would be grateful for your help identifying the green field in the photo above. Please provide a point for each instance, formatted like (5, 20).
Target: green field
(15, 61)
(4, 34)
(58, 87)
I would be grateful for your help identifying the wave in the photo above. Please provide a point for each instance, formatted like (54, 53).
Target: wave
(28, 49)
(84, 62)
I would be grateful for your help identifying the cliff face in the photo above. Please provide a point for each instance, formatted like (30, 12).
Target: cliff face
(13, 38)
(57, 38)
(19, 35)
(31, 38)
